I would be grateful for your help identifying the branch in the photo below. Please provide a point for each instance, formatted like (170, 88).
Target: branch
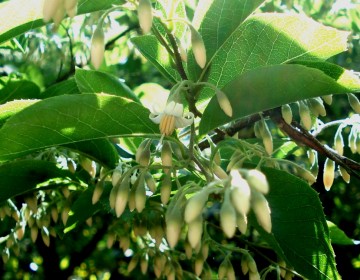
(110, 43)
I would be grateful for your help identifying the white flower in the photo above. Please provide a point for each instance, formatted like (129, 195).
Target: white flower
(172, 117)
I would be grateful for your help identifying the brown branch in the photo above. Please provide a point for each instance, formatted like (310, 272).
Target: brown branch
(109, 45)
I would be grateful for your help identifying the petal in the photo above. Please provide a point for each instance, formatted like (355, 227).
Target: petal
(156, 118)
(186, 120)
(156, 109)
(178, 110)
(169, 109)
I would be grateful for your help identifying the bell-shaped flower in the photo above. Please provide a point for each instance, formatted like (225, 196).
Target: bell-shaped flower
(172, 117)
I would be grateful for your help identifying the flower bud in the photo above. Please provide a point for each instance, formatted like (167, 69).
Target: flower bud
(59, 15)
(49, 9)
(144, 263)
(257, 130)
(112, 196)
(194, 206)
(89, 166)
(65, 214)
(150, 182)
(354, 102)
(228, 216)
(329, 173)
(254, 275)
(240, 193)
(143, 153)
(241, 222)
(188, 249)
(174, 223)
(165, 190)
(98, 190)
(110, 240)
(5, 255)
(230, 272)
(199, 264)
(244, 264)
(133, 263)
(205, 249)
(312, 156)
(286, 113)
(145, 15)
(257, 180)
(116, 176)
(124, 242)
(266, 137)
(236, 161)
(261, 209)
(45, 236)
(140, 193)
(305, 116)
(344, 174)
(122, 196)
(71, 7)
(224, 103)
(97, 46)
(223, 269)
(317, 106)
(327, 99)
(198, 47)
(195, 230)
(166, 157)
(131, 199)
(352, 140)
(339, 142)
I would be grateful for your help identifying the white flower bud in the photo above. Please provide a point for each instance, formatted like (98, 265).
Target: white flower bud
(344, 174)
(34, 231)
(45, 236)
(98, 190)
(261, 209)
(59, 15)
(327, 99)
(257, 180)
(352, 141)
(254, 276)
(194, 206)
(244, 264)
(122, 196)
(142, 155)
(133, 263)
(286, 113)
(223, 268)
(224, 103)
(241, 222)
(198, 47)
(173, 227)
(329, 173)
(354, 102)
(228, 216)
(140, 193)
(230, 272)
(144, 264)
(165, 190)
(145, 15)
(317, 106)
(150, 182)
(166, 156)
(97, 47)
(116, 176)
(195, 230)
(240, 193)
(71, 7)
(199, 264)
(305, 116)
(339, 142)
(50, 7)
(266, 137)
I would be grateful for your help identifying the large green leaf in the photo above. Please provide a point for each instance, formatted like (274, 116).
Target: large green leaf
(89, 81)
(299, 227)
(68, 86)
(270, 39)
(19, 89)
(271, 86)
(157, 54)
(19, 177)
(216, 20)
(11, 108)
(72, 118)
(19, 16)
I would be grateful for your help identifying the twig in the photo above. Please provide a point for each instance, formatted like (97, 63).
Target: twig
(111, 42)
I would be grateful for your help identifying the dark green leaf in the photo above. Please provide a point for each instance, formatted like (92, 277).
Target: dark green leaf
(339, 237)
(272, 86)
(299, 226)
(68, 86)
(68, 119)
(20, 89)
(89, 81)
(19, 177)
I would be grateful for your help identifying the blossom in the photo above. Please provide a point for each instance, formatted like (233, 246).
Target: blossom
(172, 117)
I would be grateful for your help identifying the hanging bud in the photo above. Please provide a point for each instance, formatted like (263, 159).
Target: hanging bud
(133, 263)
(131, 199)
(311, 155)
(97, 46)
(140, 193)
(89, 166)
(116, 176)
(199, 264)
(352, 140)
(344, 174)
(70, 7)
(198, 47)
(257, 180)
(165, 190)
(166, 157)
(150, 182)
(329, 170)
(99, 188)
(122, 196)
(241, 222)
(254, 275)
(205, 249)
(354, 102)
(223, 269)
(357, 143)
(317, 106)
(239, 192)
(50, 7)
(143, 153)
(195, 230)
(236, 161)
(257, 130)
(5, 255)
(286, 113)
(339, 142)
(244, 264)
(45, 236)
(327, 99)
(144, 264)
(54, 214)
(305, 116)
(110, 240)
(266, 137)
(228, 216)
(194, 206)
(173, 227)
(59, 15)
(224, 102)
(230, 272)
(145, 15)
(261, 209)
(31, 202)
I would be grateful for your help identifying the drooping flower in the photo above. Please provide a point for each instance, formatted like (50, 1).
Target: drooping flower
(172, 117)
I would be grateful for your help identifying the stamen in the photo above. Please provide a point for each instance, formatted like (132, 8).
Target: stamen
(167, 125)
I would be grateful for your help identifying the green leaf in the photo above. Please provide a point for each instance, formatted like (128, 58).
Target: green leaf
(270, 39)
(157, 54)
(101, 150)
(68, 86)
(90, 81)
(16, 21)
(216, 20)
(19, 177)
(339, 237)
(272, 86)
(13, 107)
(82, 209)
(68, 119)
(19, 89)
(299, 226)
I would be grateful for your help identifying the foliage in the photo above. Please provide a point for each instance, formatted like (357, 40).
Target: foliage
(194, 142)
